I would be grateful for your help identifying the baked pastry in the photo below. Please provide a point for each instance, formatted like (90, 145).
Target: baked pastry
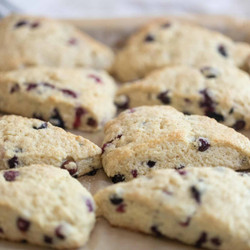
(43, 205)
(146, 138)
(205, 207)
(69, 98)
(25, 141)
(37, 41)
(164, 42)
(220, 92)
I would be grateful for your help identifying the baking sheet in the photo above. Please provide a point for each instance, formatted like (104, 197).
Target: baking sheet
(113, 32)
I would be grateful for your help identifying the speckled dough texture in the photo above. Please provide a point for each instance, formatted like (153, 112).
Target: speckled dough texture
(45, 206)
(146, 138)
(25, 141)
(70, 98)
(30, 41)
(163, 42)
(218, 91)
(205, 207)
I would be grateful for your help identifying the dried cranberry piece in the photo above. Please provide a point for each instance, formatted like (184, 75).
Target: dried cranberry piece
(71, 170)
(10, 175)
(216, 241)
(151, 164)
(47, 239)
(20, 23)
(118, 178)
(154, 229)
(96, 78)
(58, 232)
(23, 224)
(115, 200)
(31, 86)
(149, 38)
(69, 92)
(107, 143)
(164, 98)
(231, 111)
(89, 205)
(15, 88)
(186, 223)
(202, 240)
(91, 122)
(92, 172)
(209, 72)
(56, 119)
(207, 102)
(203, 144)
(34, 25)
(134, 173)
(13, 162)
(72, 41)
(181, 172)
(42, 126)
(195, 194)
(216, 116)
(222, 50)
(79, 113)
(121, 208)
(240, 124)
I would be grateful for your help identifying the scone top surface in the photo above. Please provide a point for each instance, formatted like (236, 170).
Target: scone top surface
(70, 98)
(205, 207)
(166, 42)
(150, 137)
(45, 206)
(217, 90)
(29, 41)
(25, 141)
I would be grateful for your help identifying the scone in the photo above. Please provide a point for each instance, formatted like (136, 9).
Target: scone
(25, 141)
(164, 42)
(220, 92)
(34, 41)
(43, 205)
(205, 207)
(69, 98)
(146, 138)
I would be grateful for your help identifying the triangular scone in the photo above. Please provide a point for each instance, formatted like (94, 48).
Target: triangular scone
(146, 138)
(31, 41)
(43, 205)
(205, 207)
(25, 141)
(221, 92)
(69, 98)
(164, 42)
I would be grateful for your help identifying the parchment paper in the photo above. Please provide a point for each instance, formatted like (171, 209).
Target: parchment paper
(105, 237)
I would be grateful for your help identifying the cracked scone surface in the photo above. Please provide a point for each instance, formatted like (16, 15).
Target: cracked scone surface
(205, 207)
(69, 98)
(25, 141)
(31, 41)
(146, 138)
(218, 91)
(164, 42)
(45, 206)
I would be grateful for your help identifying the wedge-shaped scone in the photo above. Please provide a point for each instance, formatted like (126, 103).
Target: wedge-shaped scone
(45, 206)
(220, 92)
(69, 98)
(32, 41)
(205, 207)
(164, 42)
(146, 138)
(25, 141)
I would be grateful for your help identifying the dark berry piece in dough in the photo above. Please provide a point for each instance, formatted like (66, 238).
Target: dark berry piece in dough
(240, 124)
(164, 98)
(151, 164)
(21, 23)
(134, 173)
(96, 78)
(92, 172)
(13, 162)
(115, 200)
(222, 50)
(195, 194)
(72, 41)
(10, 175)
(122, 102)
(92, 122)
(78, 114)
(34, 25)
(56, 119)
(15, 88)
(216, 241)
(89, 205)
(118, 178)
(69, 93)
(58, 232)
(203, 144)
(155, 231)
(121, 208)
(202, 240)
(186, 223)
(47, 239)
(209, 72)
(149, 38)
(23, 224)
(216, 116)
(42, 126)
(31, 86)
(66, 165)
